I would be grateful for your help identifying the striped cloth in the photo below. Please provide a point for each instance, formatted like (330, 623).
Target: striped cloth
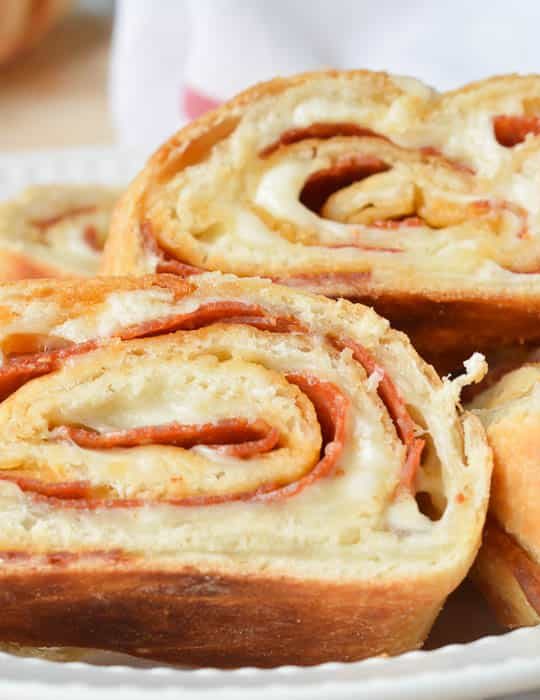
(175, 59)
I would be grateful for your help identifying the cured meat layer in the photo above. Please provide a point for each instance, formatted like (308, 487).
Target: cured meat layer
(227, 446)
(360, 185)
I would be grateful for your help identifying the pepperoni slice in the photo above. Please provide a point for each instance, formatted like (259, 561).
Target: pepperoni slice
(165, 262)
(170, 266)
(331, 406)
(237, 437)
(18, 371)
(524, 568)
(348, 169)
(92, 239)
(62, 490)
(215, 312)
(46, 223)
(319, 130)
(511, 130)
(329, 130)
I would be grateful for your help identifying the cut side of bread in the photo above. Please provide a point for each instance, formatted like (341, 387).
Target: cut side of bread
(224, 471)
(55, 231)
(363, 185)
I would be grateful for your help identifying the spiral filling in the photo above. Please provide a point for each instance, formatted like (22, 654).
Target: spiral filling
(336, 192)
(320, 409)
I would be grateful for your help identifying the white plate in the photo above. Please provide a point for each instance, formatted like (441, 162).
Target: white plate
(80, 165)
(491, 666)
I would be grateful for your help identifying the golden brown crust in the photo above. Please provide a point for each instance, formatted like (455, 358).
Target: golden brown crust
(125, 252)
(487, 220)
(508, 568)
(296, 551)
(508, 577)
(511, 415)
(187, 616)
(445, 331)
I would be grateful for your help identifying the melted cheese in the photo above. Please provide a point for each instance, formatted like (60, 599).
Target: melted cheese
(348, 521)
(121, 310)
(239, 212)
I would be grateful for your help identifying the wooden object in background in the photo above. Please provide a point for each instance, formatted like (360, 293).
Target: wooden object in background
(24, 22)
(56, 95)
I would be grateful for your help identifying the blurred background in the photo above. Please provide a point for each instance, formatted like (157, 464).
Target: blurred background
(99, 72)
(53, 92)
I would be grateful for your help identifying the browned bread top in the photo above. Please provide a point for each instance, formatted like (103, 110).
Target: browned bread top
(350, 183)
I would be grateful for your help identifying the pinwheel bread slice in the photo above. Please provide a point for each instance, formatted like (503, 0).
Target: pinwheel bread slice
(508, 566)
(54, 231)
(225, 471)
(362, 185)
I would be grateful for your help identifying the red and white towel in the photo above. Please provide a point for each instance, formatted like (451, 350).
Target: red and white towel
(174, 59)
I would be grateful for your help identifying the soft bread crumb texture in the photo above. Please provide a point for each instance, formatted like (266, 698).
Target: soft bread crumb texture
(350, 525)
(220, 196)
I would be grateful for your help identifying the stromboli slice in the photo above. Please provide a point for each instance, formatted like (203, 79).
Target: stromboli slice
(508, 565)
(54, 231)
(226, 471)
(362, 185)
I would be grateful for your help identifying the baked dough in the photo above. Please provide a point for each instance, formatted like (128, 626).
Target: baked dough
(54, 231)
(226, 471)
(363, 185)
(508, 566)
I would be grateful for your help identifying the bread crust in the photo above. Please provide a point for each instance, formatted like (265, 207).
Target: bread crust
(508, 578)
(18, 266)
(412, 296)
(446, 329)
(187, 616)
(264, 564)
(507, 569)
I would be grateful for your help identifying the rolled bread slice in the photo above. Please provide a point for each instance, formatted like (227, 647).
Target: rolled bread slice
(55, 231)
(223, 471)
(363, 185)
(508, 565)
